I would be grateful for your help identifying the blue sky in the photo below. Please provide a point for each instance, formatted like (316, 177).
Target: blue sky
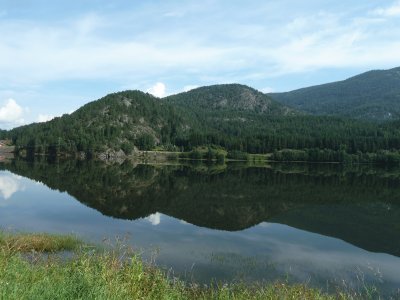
(56, 56)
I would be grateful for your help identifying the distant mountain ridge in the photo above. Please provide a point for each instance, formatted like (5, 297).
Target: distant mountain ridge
(230, 116)
(374, 95)
(129, 119)
(230, 97)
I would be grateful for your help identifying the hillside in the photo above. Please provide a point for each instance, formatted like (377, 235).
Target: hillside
(130, 119)
(117, 121)
(233, 117)
(374, 95)
(230, 98)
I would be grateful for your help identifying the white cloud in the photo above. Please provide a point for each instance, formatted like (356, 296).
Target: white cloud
(154, 219)
(44, 118)
(391, 11)
(187, 88)
(8, 186)
(80, 51)
(334, 41)
(267, 90)
(11, 113)
(158, 90)
(232, 44)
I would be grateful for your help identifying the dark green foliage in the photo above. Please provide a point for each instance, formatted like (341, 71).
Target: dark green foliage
(230, 117)
(237, 155)
(374, 95)
(220, 158)
(230, 99)
(328, 155)
(3, 134)
(226, 119)
(196, 154)
(145, 141)
(127, 148)
(117, 121)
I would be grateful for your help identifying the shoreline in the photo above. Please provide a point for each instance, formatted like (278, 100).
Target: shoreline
(30, 269)
(166, 156)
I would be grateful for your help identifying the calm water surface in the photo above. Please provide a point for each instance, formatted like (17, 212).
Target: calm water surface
(319, 224)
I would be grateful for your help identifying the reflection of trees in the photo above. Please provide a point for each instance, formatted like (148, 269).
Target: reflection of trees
(360, 205)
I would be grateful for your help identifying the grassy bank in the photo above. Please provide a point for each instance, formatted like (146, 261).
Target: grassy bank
(29, 270)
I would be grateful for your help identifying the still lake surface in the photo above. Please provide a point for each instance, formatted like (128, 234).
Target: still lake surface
(325, 225)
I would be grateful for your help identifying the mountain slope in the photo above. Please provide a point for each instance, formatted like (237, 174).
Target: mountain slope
(117, 121)
(374, 95)
(131, 119)
(230, 97)
(234, 117)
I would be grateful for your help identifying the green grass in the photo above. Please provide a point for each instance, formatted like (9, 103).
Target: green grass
(19, 242)
(94, 274)
(260, 157)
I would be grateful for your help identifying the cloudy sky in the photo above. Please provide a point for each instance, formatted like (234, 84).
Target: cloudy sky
(58, 55)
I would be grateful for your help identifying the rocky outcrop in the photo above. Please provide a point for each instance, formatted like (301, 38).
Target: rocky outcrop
(112, 155)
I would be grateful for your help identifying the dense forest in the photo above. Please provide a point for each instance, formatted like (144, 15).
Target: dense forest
(231, 117)
(374, 95)
(117, 121)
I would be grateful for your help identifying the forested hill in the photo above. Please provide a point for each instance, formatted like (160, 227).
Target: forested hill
(230, 98)
(374, 95)
(117, 121)
(233, 117)
(129, 119)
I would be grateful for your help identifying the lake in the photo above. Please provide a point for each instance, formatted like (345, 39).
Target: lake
(326, 225)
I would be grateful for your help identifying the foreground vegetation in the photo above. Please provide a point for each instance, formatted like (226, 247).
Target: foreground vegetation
(26, 273)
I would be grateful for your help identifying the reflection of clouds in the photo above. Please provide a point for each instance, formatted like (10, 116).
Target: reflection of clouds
(8, 186)
(307, 256)
(264, 224)
(154, 219)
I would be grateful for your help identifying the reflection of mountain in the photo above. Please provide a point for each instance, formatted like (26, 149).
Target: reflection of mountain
(359, 206)
(372, 226)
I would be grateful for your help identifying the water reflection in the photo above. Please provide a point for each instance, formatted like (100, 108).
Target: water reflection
(9, 184)
(227, 222)
(154, 219)
(358, 205)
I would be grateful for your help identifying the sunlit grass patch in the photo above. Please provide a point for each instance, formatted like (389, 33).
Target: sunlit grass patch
(27, 242)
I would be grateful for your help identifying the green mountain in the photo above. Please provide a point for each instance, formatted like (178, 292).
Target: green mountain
(117, 121)
(232, 98)
(133, 118)
(234, 117)
(374, 95)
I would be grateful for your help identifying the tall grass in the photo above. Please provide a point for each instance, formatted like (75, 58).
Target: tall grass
(94, 274)
(19, 242)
